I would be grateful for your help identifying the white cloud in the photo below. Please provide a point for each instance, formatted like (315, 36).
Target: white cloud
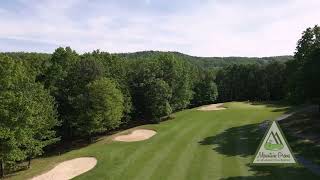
(214, 28)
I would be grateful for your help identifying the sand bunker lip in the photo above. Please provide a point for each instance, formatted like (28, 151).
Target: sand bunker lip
(136, 135)
(212, 107)
(69, 169)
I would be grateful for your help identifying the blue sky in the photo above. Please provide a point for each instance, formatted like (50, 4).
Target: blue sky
(195, 27)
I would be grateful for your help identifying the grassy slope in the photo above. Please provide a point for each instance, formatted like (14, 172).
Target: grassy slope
(195, 145)
(303, 131)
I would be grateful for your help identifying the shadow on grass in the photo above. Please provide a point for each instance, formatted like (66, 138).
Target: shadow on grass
(65, 146)
(236, 140)
(302, 129)
(276, 172)
(243, 141)
(280, 106)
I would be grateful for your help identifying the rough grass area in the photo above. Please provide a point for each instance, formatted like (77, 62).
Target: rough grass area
(195, 145)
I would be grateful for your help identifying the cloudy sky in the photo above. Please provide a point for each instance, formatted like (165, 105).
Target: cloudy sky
(195, 27)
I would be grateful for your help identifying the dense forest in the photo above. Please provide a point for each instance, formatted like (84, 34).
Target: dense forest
(48, 99)
(207, 62)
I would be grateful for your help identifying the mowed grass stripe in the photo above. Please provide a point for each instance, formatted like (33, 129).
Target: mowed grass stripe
(229, 162)
(183, 151)
(243, 116)
(212, 161)
(142, 148)
(156, 157)
(206, 164)
(186, 162)
(146, 151)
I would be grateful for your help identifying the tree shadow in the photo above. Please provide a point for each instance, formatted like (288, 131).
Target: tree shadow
(243, 141)
(65, 146)
(276, 172)
(278, 105)
(236, 140)
(302, 129)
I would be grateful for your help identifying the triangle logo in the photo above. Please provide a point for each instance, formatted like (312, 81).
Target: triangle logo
(274, 148)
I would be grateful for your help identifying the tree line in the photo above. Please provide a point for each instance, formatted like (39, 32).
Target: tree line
(64, 96)
(252, 82)
(208, 62)
(296, 81)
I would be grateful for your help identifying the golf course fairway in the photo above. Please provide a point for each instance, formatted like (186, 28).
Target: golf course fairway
(195, 145)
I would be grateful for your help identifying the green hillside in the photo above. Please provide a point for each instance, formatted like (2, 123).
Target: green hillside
(207, 62)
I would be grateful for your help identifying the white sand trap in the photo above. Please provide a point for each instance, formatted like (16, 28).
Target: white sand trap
(212, 107)
(136, 135)
(69, 169)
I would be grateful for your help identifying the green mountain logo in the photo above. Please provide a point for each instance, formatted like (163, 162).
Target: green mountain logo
(274, 142)
(274, 148)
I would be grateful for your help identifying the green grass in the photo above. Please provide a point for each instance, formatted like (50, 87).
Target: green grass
(195, 145)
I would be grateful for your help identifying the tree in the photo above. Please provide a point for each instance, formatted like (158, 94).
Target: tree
(43, 121)
(252, 82)
(100, 108)
(60, 63)
(82, 73)
(175, 72)
(27, 114)
(62, 60)
(89, 105)
(118, 69)
(157, 98)
(150, 89)
(141, 74)
(276, 79)
(310, 64)
(205, 90)
(304, 81)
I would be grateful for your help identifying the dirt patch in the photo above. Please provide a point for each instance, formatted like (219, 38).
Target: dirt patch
(212, 107)
(136, 135)
(69, 169)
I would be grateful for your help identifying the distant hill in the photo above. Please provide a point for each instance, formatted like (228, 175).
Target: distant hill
(206, 62)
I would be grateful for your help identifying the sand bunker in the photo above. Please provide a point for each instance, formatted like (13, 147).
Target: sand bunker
(136, 135)
(212, 107)
(68, 169)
